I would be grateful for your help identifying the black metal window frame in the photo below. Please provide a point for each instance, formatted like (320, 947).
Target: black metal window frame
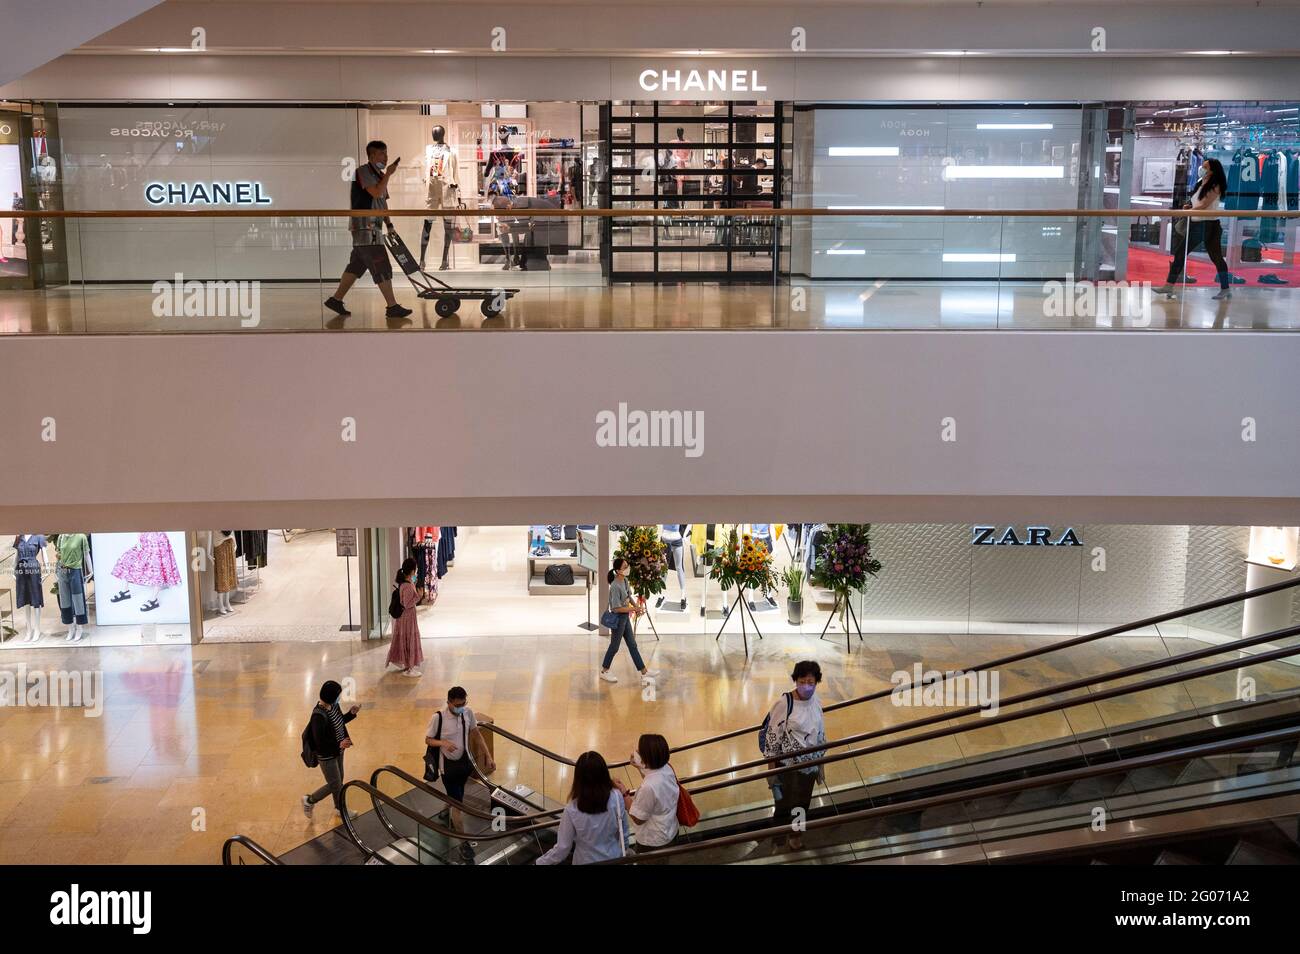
(735, 237)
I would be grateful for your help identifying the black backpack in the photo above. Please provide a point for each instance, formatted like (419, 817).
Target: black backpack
(361, 199)
(395, 603)
(309, 758)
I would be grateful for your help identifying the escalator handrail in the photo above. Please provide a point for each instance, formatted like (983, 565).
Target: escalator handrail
(1014, 786)
(413, 815)
(956, 729)
(856, 753)
(228, 848)
(1081, 683)
(991, 664)
(1050, 707)
(425, 787)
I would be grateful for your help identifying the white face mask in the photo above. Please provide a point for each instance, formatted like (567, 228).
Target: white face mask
(379, 165)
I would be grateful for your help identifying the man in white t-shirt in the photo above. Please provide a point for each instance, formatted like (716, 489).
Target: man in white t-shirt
(653, 806)
(452, 730)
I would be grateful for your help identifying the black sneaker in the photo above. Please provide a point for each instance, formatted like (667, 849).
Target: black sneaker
(466, 853)
(336, 306)
(395, 311)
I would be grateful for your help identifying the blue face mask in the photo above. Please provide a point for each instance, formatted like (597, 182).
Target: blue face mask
(457, 710)
(805, 692)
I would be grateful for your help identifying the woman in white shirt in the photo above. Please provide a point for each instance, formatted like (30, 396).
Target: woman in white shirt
(653, 806)
(1207, 195)
(593, 826)
(796, 722)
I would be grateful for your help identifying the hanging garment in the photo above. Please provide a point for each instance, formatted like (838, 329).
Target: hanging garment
(27, 572)
(252, 546)
(1293, 180)
(223, 566)
(150, 562)
(1271, 182)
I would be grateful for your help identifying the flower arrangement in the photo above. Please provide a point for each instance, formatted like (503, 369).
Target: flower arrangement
(642, 548)
(742, 561)
(844, 559)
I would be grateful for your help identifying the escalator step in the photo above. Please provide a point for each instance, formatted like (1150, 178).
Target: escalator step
(1251, 853)
(1170, 857)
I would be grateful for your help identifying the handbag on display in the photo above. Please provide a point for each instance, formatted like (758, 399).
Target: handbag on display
(460, 229)
(1252, 250)
(559, 574)
(1144, 230)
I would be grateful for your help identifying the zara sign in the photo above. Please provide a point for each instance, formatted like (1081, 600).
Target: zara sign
(1034, 537)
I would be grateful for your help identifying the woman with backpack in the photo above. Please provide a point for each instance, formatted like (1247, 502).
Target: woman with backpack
(594, 825)
(795, 722)
(405, 653)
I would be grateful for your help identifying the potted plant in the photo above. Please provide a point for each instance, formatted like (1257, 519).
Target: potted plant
(793, 579)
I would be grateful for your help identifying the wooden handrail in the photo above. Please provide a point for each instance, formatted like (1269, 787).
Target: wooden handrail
(639, 212)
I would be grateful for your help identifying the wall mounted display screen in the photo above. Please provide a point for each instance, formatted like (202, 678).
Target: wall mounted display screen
(140, 578)
(13, 231)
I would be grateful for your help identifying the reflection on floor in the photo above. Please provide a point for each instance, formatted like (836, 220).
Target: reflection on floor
(196, 743)
(584, 303)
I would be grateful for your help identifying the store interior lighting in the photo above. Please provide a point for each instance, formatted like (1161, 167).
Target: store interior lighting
(1004, 172)
(863, 150)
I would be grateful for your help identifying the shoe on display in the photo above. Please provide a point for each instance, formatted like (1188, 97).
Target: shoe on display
(307, 806)
(336, 306)
(1223, 295)
(1237, 280)
(1271, 279)
(608, 676)
(396, 311)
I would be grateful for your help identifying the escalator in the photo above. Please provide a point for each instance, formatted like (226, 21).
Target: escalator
(1167, 701)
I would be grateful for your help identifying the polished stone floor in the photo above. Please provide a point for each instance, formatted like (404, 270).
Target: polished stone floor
(546, 303)
(197, 743)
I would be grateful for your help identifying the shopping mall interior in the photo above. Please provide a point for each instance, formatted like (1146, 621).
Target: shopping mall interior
(889, 274)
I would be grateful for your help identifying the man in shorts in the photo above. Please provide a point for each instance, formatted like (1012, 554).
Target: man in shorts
(368, 250)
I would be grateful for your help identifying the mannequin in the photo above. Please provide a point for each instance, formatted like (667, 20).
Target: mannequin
(221, 552)
(444, 192)
(30, 567)
(672, 535)
(762, 533)
(73, 550)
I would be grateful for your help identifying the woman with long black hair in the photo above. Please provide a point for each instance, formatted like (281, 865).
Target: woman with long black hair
(1190, 233)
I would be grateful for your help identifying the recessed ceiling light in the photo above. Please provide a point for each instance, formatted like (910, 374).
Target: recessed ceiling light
(951, 53)
(696, 53)
(437, 51)
(1210, 52)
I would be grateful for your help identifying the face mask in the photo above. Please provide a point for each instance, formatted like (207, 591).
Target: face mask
(379, 166)
(457, 710)
(805, 692)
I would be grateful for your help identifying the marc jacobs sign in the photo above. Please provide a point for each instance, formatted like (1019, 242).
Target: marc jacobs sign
(984, 536)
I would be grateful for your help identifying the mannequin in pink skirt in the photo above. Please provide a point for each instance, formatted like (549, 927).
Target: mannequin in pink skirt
(150, 563)
(405, 653)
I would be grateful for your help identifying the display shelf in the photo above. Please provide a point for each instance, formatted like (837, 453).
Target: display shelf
(563, 551)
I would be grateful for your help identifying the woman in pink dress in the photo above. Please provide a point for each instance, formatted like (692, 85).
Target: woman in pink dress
(405, 652)
(150, 563)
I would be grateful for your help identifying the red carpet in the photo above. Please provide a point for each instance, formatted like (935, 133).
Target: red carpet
(1147, 265)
